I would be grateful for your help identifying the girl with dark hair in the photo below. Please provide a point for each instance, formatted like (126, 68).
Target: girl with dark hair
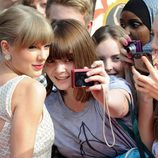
(85, 118)
(137, 17)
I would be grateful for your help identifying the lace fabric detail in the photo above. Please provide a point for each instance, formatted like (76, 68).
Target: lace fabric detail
(155, 149)
(45, 131)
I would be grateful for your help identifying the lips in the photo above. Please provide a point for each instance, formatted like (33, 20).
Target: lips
(38, 67)
(62, 78)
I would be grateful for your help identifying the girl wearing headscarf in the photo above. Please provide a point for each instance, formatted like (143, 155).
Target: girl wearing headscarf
(137, 17)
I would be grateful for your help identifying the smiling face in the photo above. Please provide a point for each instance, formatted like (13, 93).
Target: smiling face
(135, 27)
(109, 51)
(59, 71)
(154, 43)
(28, 61)
(21, 38)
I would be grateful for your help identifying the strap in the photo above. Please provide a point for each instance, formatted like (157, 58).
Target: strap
(135, 133)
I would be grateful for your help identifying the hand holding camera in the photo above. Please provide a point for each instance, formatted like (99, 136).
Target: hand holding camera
(78, 77)
(93, 79)
(89, 77)
(135, 51)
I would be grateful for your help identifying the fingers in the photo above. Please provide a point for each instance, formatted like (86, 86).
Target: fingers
(142, 83)
(140, 89)
(97, 79)
(98, 63)
(98, 75)
(125, 40)
(148, 64)
(126, 59)
(97, 69)
(137, 76)
(96, 87)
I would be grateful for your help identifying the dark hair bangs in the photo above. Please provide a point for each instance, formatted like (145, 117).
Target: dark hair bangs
(60, 52)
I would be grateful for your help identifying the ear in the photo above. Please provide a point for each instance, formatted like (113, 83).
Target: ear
(89, 26)
(5, 47)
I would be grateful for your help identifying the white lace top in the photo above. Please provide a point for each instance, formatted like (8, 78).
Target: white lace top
(45, 131)
(155, 149)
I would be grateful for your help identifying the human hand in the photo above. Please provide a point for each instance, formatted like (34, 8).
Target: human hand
(98, 75)
(147, 84)
(125, 56)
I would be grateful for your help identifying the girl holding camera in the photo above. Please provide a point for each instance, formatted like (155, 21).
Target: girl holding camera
(85, 118)
(137, 17)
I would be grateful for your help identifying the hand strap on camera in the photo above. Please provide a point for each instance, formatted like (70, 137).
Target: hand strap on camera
(106, 108)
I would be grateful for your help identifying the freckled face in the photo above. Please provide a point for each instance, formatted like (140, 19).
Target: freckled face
(109, 51)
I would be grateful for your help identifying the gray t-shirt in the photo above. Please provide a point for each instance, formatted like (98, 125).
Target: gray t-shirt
(80, 134)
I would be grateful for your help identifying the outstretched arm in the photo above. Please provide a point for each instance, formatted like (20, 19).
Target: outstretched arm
(117, 99)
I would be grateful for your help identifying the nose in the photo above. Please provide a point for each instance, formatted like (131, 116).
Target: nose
(108, 65)
(43, 53)
(60, 67)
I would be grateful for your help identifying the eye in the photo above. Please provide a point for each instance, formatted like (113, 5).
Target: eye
(101, 58)
(67, 60)
(135, 24)
(116, 58)
(32, 47)
(47, 46)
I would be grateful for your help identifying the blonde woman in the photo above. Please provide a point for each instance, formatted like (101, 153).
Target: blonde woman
(26, 129)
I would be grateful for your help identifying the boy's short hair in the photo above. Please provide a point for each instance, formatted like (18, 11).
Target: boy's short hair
(85, 7)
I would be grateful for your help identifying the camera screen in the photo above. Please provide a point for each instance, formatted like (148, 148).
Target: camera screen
(78, 79)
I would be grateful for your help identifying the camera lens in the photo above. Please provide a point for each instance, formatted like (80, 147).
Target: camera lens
(131, 48)
(134, 47)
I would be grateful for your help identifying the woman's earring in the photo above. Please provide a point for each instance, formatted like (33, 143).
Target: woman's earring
(7, 57)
